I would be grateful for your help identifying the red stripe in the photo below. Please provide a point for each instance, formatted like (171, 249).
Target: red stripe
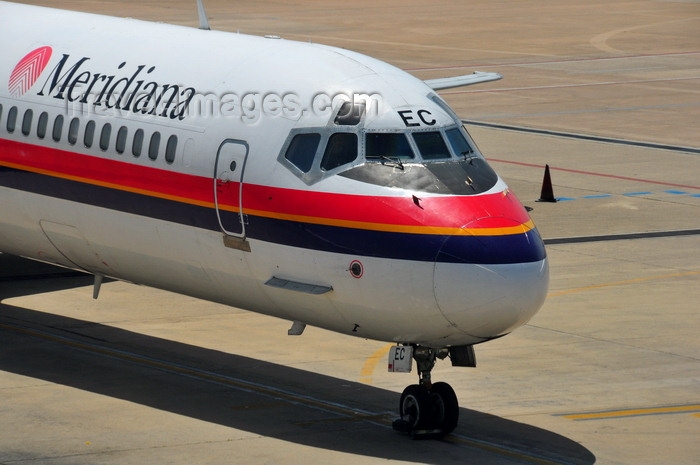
(450, 212)
(91, 168)
(447, 211)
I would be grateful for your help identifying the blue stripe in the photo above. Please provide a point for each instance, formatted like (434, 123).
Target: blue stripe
(515, 248)
(113, 199)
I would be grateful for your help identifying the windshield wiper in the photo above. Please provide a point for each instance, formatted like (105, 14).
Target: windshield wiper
(466, 154)
(396, 162)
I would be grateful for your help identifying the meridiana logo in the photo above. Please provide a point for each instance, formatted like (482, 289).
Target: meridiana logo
(28, 70)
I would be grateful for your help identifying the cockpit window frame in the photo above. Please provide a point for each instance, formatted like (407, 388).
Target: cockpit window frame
(445, 143)
(407, 139)
(337, 124)
(317, 172)
(331, 157)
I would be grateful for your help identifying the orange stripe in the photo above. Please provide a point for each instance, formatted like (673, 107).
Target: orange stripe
(436, 230)
(370, 226)
(110, 185)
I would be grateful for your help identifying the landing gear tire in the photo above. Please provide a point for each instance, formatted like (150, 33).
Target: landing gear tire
(415, 407)
(428, 414)
(427, 410)
(445, 411)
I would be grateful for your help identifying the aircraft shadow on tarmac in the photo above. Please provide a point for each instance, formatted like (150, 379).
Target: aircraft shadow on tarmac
(42, 358)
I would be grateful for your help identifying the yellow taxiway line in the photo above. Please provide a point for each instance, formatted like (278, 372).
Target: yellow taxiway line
(692, 408)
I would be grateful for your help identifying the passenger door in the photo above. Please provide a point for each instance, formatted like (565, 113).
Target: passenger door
(228, 186)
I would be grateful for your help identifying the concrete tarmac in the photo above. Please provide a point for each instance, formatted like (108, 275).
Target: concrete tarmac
(608, 372)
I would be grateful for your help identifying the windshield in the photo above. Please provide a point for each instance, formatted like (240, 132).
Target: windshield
(440, 159)
(389, 145)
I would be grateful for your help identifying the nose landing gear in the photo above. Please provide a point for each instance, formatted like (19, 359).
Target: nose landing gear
(427, 410)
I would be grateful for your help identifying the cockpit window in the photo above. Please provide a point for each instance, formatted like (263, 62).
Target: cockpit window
(349, 114)
(459, 144)
(340, 150)
(302, 150)
(431, 145)
(380, 145)
(434, 159)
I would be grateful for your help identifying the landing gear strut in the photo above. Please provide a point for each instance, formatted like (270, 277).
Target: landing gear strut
(427, 409)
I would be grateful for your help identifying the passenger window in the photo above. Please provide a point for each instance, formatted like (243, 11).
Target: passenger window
(121, 139)
(170, 149)
(73, 130)
(460, 145)
(340, 150)
(57, 128)
(89, 136)
(431, 145)
(105, 135)
(11, 119)
(388, 145)
(27, 122)
(42, 125)
(302, 150)
(154, 146)
(138, 143)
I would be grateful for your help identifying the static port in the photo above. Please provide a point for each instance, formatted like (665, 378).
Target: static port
(356, 269)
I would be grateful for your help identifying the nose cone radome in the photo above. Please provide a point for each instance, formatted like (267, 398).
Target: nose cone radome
(492, 278)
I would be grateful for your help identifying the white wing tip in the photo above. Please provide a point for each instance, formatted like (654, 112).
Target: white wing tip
(466, 80)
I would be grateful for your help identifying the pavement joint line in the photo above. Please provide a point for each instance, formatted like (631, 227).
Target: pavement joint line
(621, 283)
(587, 137)
(380, 417)
(621, 236)
(567, 86)
(503, 450)
(247, 386)
(590, 337)
(350, 413)
(407, 44)
(554, 62)
(506, 116)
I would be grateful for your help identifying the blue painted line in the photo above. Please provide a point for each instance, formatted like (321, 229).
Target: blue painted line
(603, 196)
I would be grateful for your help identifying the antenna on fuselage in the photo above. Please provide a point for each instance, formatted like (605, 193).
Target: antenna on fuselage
(203, 21)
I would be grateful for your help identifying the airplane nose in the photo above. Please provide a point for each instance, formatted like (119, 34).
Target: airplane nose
(491, 278)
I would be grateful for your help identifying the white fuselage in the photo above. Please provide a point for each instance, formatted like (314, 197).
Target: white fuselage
(221, 166)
